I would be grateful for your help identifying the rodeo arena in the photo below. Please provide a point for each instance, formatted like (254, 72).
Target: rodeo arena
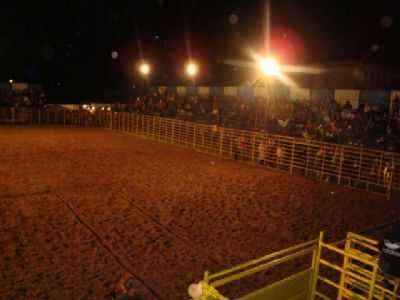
(266, 190)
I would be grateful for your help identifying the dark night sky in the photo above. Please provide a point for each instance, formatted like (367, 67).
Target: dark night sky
(70, 42)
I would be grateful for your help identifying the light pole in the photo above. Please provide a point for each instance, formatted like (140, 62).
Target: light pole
(268, 27)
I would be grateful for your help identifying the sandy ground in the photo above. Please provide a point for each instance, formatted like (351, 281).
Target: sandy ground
(80, 207)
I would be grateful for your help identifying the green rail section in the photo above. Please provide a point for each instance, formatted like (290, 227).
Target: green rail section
(343, 270)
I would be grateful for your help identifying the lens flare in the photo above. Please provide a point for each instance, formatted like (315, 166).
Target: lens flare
(192, 69)
(144, 69)
(269, 66)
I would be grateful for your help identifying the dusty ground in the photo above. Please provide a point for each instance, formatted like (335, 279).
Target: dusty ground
(79, 207)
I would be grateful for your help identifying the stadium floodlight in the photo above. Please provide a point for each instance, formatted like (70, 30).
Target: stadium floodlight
(192, 69)
(269, 66)
(144, 69)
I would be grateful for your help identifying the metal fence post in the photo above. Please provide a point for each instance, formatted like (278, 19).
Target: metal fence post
(253, 147)
(231, 144)
(341, 165)
(389, 188)
(221, 140)
(194, 135)
(173, 132)
(154, 127)
(307, 157)
(292, 157)
(360, 163)
(124, 121)
(323, 162)
(315, 264)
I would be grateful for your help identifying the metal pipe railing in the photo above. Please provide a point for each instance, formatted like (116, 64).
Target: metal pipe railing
(356, 167)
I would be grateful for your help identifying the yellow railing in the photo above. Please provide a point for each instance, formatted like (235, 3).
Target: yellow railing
(356, 167)
(349, 270)
(344, 270)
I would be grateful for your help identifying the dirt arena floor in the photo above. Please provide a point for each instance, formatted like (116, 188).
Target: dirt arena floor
(81, 207)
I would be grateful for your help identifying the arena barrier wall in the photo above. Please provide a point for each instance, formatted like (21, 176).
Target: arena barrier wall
(354, 167)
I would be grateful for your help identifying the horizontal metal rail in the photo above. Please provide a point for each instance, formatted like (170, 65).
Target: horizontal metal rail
(356, 167)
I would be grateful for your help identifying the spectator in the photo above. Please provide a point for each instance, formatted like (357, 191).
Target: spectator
(326, 121)
(262, 152)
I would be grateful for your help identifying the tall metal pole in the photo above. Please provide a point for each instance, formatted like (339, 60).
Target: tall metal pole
(268, 27)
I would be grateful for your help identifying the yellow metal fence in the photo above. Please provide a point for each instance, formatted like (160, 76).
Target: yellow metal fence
(356, 167)
(349, 270)
(343, 270)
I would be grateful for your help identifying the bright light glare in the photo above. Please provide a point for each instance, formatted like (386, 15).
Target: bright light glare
(144, 68)
(192, 69)
(269, 66)
(84, 106)
(11, 81)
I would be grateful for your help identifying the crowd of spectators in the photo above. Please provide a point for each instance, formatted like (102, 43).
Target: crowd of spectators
(327, 120)
(19, 99)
